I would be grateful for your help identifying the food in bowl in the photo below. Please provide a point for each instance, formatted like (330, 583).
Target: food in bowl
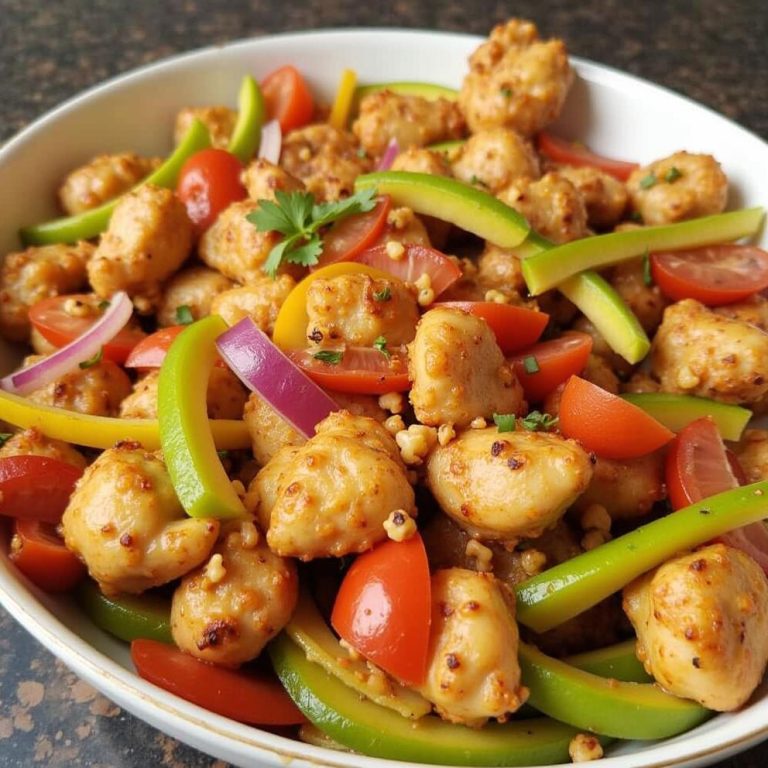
(494, 475)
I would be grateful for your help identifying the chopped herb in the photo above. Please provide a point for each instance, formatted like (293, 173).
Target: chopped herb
(672, 175)
(381, 344)
(506, 92)
(505, 421)
(536, 421)
(647, 277)
(385, 294)
(103, 305)
(297, 216)
(95, 360)
(636, 216)
(5, 437)
(531, 364)
(477, 181)
(184, 315)
(648, 181)
(330, 356)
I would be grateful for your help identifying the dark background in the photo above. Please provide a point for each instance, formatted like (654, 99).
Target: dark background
(712, 51)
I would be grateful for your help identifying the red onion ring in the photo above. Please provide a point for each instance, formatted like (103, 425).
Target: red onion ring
(271, 142)
(390, 153)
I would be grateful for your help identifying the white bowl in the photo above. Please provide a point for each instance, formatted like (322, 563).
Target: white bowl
(616, 114)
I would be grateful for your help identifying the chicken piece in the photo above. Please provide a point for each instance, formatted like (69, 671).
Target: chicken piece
(698, 352)
(97, 390)
(641, 382)
(494, 158)
(404, 226)
(194, 288)
(472, 669)
(551, 204)
(646, 301)
(262, 179)
(148, 238)
(422, 160)
(515, 80)
(605, 197)
(681, 186)
(227, 610)
(233, 246)
(28, 276)
(458, 371)
(702, 625)
(220, 122)
(753, 310)
(331, 496)
(260, 300)
(598, 371)
(31, 442)
(126, 523)
(752, 452)
(510, 485)
(325, 158)
(102, 179)
(412, 121)
(357, 309)
(499, 269)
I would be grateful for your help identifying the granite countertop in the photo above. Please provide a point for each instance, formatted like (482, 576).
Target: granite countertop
(711, 50)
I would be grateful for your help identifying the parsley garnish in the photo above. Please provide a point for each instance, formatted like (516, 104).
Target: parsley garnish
(385, 294)
(648, 181)
(531, 364)
(184, 315)
(297, 216)
(647, 278)
(380, 343)
(505, 421)
(330, 356)
(536, 421)
(5, 437)
(672, 175)
(95, 360)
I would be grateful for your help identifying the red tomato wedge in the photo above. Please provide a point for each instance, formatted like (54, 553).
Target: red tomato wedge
(606, 424)
(360, 370)
(383, 608)
(347, 238)
(36, 487)
(573, 153)
(418, 260)
(245, 697)
(288, 98)
(515, 328)
(39, 553)
(556, 361)
(713, 275)
(58, 327)
(208, 182)
(150, 351)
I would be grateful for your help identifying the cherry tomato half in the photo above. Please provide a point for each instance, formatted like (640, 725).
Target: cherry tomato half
(383, 608)
(57, 326)
(247, 698)
(150, 352)
(713, 275)
(572, 153)
(288, 98)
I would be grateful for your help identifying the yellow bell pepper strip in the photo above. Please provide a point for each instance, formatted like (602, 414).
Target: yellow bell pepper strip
(247, 131)
(342, 104)
(549, 268)
(617, 661)
(677, 411)
(88, 224)
(604, 706)
(568, 589)
(103, 431)
(198, 477)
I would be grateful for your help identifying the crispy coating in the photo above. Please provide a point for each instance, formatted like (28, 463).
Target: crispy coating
(412, 121)
(102, 179)
(345, 309)
(260, 300)
(38, 272)
(698, 352)
(753, 310)
(681, 186)
(702, 625)
(499, 269)
(605, 197)
(125, 522)
(506, 486)
(31, 442)
(422, 160)
(325, 158)
(752, 452)
(148, 238)
(598, 371)
(458, 371)
(404, 226)
(515, 80)
(472, 669)
(220, 121)
(551, 204)
(331, 496)
(496, 157)
(646, 301)
(195, 288)
(227, 610)
(262, 179)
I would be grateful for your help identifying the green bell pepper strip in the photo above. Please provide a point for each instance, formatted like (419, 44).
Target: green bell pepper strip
(83, 226)
(127, 617)
(569, 588)
(246, 134)
(374, 730)
(617, 661)
(677, 411)
(198, 477)
(548, 269)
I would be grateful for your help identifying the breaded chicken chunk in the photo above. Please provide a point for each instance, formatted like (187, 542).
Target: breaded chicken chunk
(260, 300)
(262, 179)
(31, 442)
(605, 197)
(220, 122)
(194, 288)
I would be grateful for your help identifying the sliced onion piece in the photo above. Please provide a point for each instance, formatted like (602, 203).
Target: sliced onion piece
(271, 142)
(82, 349)
(390, 153)
(263, 368)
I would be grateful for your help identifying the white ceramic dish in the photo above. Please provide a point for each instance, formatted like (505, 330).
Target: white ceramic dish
(612, 112)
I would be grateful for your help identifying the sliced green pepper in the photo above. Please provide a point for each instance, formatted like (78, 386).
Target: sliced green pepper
(198, 477)
(568, 589)
(247, 131)
(88, 224)
(617, 661)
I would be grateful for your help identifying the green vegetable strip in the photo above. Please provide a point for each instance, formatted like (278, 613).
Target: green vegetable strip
(616, 661)
(247, 131)
(88, 224)
(568, 589)
(677, 411)
(546, 270)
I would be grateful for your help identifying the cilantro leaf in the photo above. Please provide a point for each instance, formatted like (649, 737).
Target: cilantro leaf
(308, 254)
(184, 315)
(536, 421)
(330, 356)
(380, 343)
(327, 213)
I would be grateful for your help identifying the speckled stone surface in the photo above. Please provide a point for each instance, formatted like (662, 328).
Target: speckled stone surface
(711, 50)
